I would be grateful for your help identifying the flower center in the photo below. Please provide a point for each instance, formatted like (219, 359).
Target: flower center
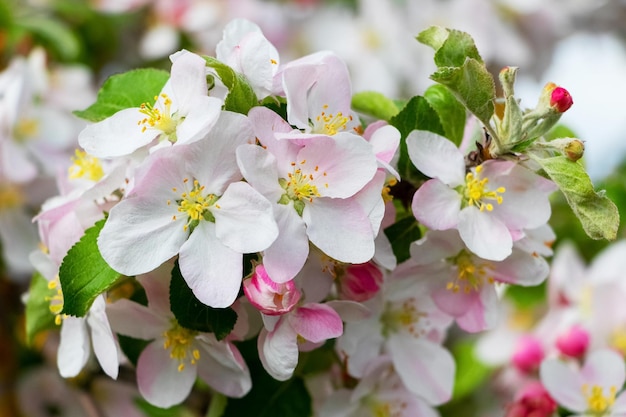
(300, 186)
(56, 300)
(476, 191)
(329, 123)
(470, 275)
(405, 316)
(10, 197)
(25, 129)
(195, 204)
(159, 118)
(380, 408)
(598, 404)
(85, 166)
(179, 341)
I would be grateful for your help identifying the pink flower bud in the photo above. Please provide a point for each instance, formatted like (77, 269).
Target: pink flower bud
(574, 342)
(361, 282)
(528, 354)
(532, 401)
(561, 99)
(268, 296)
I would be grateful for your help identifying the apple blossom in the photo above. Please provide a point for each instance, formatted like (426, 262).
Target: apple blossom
(189, 201)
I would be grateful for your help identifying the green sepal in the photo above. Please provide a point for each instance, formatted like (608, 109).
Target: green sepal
(597, 213)
(374, 104)
(472, 85)
(192, 314)
(241, 97)
(38, 315)
(84, 274)
(417, 114)
(123, 91)
(452, 113)
(401, 235)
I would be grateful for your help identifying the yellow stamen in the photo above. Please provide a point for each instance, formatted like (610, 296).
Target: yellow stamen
(598, 404)
(85, 166)
(179, 341)
(476, 191)
(157, 119)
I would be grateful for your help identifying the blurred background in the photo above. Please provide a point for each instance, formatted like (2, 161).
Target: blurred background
(54, 55)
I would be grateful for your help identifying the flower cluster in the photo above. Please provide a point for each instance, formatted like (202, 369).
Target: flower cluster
(245, 199)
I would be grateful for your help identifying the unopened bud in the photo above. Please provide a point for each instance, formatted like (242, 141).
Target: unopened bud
(561, 99)
(572, 148)
(507, 80)
(528, 354)
(269, 297)
(361, 282)
(574, 342)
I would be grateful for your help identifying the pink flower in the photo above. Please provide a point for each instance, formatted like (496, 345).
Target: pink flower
(574, 342)
(532, 401)
(168, 367)
(591, 390)
(490, 205)
(528, 354)
(360, 282)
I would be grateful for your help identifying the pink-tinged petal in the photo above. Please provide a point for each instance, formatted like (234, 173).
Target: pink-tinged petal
(608, 265)
(436, 205)
(222, 367)
(436, 157)
(287, 255)
(370, 198)
(213, 160)
(74, 348)
(158, 378)
(618, 409)
(203, 114)
(316, 322)
(564, 384)
(267, 124)
(258, 167)
(521, 268)
(340, 228)
(385, 142)
(349, 311)
(436, 246)
(296, 83)
(362, 342)
(140, 235)
(426, 368)
(278, 351)
(212, 271)
(568, 274)
(456, 304)
(339, 404)
(604, 368)
(484, 235)
(157, 286)
(383, 253)
(103, 342)
(135, 320)
(339, 166)
(187, 80)
(483, 314)
(240, 211)
(117, 135)
(267, 296)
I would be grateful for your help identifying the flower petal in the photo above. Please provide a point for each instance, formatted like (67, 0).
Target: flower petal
(484, 235)
(74, 348)
(564, 384)
(278, 350)
(436, 157)
(316, 322)
(436, 205)
(159, 380)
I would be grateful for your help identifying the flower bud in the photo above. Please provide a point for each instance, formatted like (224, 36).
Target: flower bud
(360, 282)
(507, 80)
(574, 342)
(561, 99)
(528, 354)
(532, 401)
(268, 296)
(572, 148)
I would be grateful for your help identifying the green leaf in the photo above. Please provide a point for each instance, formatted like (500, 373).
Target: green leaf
(123, 91)
(401, 235)
(472, 85)
(597, 214)
(194, 315)
(374, 104)
(452, 114)
(451, 46)
(38, 314)
(57, 36)
(241, 97)
(417, 114)
(84, 274)
(269, 397)
(527, 297)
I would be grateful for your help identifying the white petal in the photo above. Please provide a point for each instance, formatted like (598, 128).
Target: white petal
(74, 348)
(436, 157)
(222, 367)
(278, 351)
(436, 205)
(104, 345)
(484, 235)
(564, 384)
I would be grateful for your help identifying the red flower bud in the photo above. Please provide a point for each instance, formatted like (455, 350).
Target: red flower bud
(561, 99)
